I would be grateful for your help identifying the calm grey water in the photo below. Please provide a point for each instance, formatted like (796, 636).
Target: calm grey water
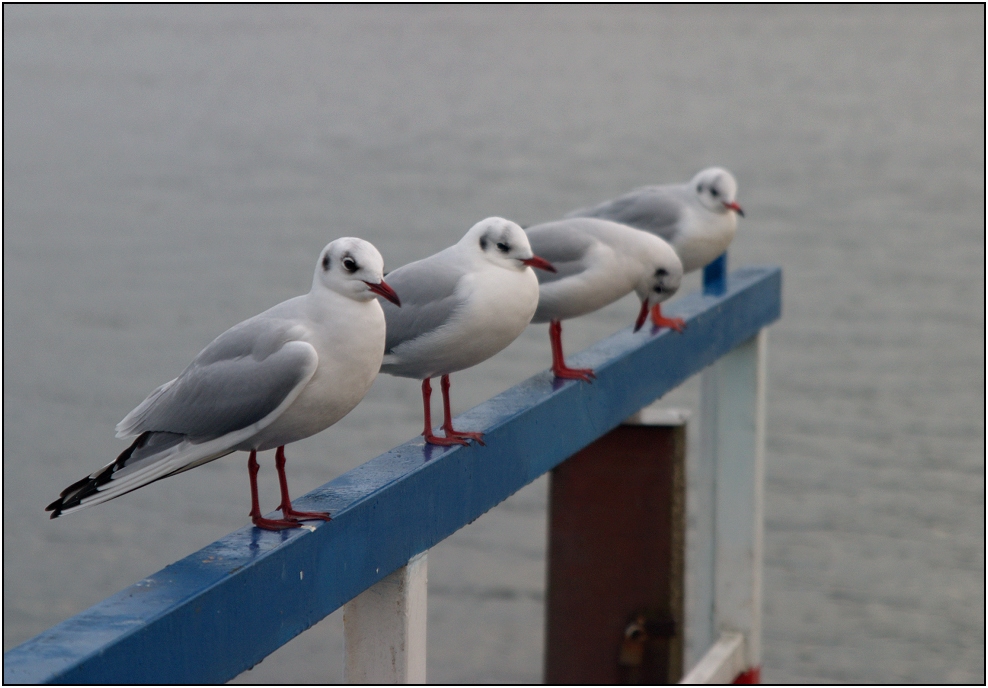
(169, 171)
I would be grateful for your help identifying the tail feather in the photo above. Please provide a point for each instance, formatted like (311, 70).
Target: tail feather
(73, 495)
(151, 457)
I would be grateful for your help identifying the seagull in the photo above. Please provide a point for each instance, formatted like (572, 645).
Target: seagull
(698, 218)
(598, 262)
(460, 307)
(276, 378)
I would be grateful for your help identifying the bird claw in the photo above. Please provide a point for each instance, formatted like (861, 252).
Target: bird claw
(292, 515)
(445, 441)
(677, 324)
(274, 523)
(584, 374)
(476, 436)
(455, 437)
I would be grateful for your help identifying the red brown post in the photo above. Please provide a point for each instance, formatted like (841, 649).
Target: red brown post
(616, 554)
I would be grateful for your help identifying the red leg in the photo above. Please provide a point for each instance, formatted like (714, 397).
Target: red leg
(658, 320)
(559, 367)
(448, 416)
(429, 436)
(286, 501)
(255, 508)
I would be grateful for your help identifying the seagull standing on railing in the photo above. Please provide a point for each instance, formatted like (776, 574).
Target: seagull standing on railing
(281, 376)
(698, 218)
(460, 307)
(597, 263)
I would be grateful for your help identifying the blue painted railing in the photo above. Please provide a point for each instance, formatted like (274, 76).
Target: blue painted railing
(200, 620)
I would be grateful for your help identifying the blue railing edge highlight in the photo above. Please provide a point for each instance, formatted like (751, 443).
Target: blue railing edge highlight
(219, 611)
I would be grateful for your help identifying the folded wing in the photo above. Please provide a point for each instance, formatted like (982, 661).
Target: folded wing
(428, 300)
(235, 387)
(654, 209)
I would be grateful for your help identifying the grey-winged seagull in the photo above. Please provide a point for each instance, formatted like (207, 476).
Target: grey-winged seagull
(460, 307)
(281, 376)
(698, 218)
(597, 263)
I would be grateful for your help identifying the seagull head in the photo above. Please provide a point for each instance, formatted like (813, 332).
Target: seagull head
(716, 188)
(505, 244)
(662, 271)
(354, 268)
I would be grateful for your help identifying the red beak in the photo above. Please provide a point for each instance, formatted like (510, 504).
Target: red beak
(540, 263)
(641, 316)
(733, 205)
(382, 289)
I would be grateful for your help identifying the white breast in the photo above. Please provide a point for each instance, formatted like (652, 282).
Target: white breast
(349, 340)
(702, 236)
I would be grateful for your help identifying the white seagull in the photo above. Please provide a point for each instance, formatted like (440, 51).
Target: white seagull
(281, 376)
(597, 263)
(460, 307)
(698, 218)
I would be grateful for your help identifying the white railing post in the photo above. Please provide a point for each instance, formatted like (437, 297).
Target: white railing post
(384, 628)
(722, 663)
(726, 567)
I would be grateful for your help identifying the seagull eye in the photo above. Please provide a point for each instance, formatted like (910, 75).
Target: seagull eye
(661, 272)
(713, 192)
(325, 262)
(502, 247)
(658, 289)
(350, 264)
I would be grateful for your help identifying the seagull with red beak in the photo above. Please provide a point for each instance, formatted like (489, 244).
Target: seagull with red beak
(279, 377)
(460, 307)
(698, 218)
(597, 263)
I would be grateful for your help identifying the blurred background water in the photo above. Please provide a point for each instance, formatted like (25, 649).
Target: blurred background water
(170, 171)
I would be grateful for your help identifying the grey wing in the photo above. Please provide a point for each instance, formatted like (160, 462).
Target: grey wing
(238, 380)
(563, 244)
(427, 289)
(655, 209)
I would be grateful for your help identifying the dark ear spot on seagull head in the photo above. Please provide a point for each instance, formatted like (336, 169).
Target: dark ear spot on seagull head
(494, 236)
(505, 243)
(496, 240)
(349, 266)
(662, 273)
(716, 189)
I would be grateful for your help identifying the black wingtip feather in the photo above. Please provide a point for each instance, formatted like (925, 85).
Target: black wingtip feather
(74, 494)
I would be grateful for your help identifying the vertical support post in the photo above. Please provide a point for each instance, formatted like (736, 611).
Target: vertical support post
(384, 628)
(616, 552)
(715, 275)
(726, 567)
